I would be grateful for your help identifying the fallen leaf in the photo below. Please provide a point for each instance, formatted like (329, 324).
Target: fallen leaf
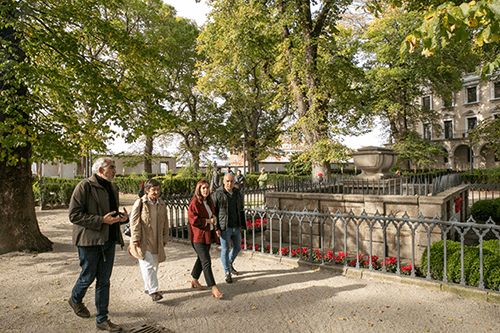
(254, 308)
(341, 318)
(193, 308)
(215, 311)
(308, 300)
(370, 325)
(291, 321)
(331, 306)
(380, 311)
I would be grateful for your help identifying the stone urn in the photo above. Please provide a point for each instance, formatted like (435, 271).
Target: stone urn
(375, 162)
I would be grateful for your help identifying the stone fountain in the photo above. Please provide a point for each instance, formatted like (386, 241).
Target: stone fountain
(375, 162)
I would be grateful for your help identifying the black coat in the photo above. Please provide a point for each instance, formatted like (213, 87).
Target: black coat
(221, 208)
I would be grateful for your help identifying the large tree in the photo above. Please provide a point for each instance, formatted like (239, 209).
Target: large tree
(61, 88)
(155, 71)
(397, 80)
(300, 54)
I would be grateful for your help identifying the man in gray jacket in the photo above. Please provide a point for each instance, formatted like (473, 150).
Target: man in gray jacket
(93, 210)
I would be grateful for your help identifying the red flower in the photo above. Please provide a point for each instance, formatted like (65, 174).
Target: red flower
(320, 175)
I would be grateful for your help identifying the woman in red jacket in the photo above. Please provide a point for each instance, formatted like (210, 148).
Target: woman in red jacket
(201, 226)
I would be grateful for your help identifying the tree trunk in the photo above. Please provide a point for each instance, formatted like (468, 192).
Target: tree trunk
(148, 153)
(251, 155)
(19, 230)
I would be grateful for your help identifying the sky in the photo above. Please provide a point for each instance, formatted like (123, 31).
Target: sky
(197, 12)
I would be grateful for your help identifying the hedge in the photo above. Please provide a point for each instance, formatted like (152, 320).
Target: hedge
(491, 263)
(482, 210)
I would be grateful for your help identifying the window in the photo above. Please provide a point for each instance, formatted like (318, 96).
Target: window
(471, 123)
(496, 90)
(426, 102)
(471, 95)
(427, 131)
(448, 129)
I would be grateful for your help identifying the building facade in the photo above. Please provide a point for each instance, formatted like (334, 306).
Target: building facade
(62, 170)
(478, 100)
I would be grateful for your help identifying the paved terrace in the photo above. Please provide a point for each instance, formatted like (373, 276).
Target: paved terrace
(269, 296)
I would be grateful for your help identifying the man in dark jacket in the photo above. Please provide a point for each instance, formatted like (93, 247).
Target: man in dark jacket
(215, 181)
(93, 210)
(229, 210)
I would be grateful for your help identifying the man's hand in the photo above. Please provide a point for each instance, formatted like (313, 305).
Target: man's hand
(218, 233)
(121, 217)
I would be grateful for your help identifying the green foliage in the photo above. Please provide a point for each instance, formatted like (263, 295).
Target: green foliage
(462, 23)
(482, 210)
(284, 59)
(298, 167)
(437, 258)
(491, 263)
(326, 151)
(491, 176)
(54, 191)
(488, 130)
(179, 185)
(396, 79)
(417, 150)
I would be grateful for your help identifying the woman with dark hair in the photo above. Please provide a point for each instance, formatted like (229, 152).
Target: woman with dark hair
(201, 232)
(149, 235)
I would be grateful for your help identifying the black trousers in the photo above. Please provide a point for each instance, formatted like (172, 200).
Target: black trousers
(203, 264)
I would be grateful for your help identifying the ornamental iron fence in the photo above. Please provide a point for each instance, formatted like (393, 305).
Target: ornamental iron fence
(464, 253)
(482, 191)
(347, 184)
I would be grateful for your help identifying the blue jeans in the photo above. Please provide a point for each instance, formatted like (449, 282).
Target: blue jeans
(228, 257)
(97, 264)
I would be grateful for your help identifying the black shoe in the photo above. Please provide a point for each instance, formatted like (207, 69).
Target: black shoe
(156, 297)
(80, 309)
(108, 326)
(229, 279)
(233, 271)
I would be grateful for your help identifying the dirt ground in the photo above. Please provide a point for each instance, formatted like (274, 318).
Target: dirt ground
(269, 296)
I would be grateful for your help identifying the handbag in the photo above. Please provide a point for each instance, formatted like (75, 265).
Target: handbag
(126, 228)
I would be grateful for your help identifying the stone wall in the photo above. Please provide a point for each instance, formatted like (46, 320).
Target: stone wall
(337, 232)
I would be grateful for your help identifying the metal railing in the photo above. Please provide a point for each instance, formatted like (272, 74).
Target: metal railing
(479, 191)
(359, 241)
(405, 185)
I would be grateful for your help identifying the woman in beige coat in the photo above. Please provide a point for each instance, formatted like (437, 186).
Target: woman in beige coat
(149, 235)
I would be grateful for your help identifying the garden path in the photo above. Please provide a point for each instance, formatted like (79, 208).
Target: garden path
(268, 296)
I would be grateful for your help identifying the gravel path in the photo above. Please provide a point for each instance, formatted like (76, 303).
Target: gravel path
(268, 296)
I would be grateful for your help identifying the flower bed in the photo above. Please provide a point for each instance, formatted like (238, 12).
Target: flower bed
(391, 263)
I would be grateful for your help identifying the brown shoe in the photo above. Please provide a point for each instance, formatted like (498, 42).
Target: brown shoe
(80, 309)
(108, 326)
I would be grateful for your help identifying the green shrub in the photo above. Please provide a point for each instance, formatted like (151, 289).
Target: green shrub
(491, 266)
(471, 256)
(490, 175)
(482, 210)
(437, 258)
(491, 263)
